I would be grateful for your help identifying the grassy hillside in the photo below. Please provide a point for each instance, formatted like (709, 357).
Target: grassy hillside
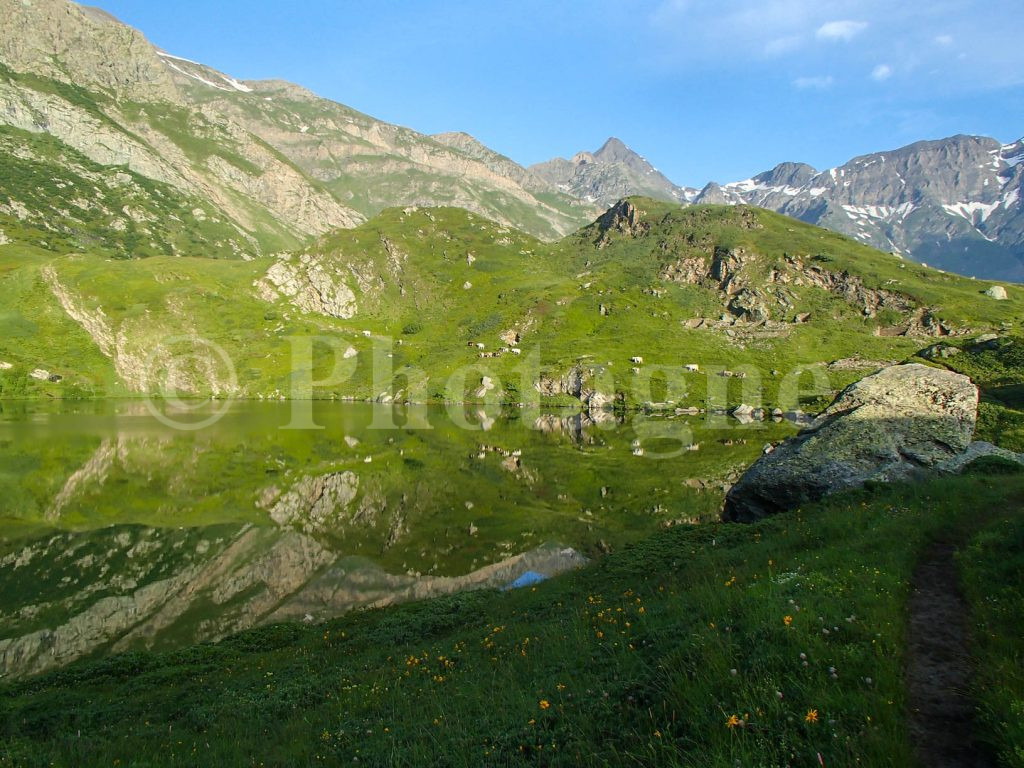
(57, 199)
(438, 282)
(769, 644)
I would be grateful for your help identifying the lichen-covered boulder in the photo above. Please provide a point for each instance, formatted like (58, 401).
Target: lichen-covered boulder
(886, 427)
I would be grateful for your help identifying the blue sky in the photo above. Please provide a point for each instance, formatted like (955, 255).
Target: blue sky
(705, 90)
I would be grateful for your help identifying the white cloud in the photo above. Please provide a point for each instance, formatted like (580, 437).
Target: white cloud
(881, 72)
(819, 82)
(840, 30)
(682, 37)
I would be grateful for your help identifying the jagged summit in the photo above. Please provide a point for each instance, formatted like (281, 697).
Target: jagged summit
(953, 203)
(608, 174)
(614, 150)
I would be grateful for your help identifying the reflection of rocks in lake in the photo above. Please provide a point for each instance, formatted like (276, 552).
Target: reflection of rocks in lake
(132, 454)
(424, 505)
(354, 582)
(574, 425)
(182, 587)
(93, 472)
(313, 503)
(332, 504)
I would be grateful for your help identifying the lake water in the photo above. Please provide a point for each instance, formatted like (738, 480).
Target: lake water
(119, 531)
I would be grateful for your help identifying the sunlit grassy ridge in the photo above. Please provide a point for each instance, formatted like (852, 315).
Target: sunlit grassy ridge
(772, 643)
(442, 280)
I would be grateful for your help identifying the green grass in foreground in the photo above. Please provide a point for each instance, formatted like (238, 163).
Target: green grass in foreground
(714, 646)
(992, 566)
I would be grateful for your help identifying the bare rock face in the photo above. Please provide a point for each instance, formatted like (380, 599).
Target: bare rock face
(309, 285)
(955, 203)
(886, 427)
(78, 45)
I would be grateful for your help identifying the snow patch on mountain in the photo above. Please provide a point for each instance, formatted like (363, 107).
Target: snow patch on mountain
(194, 76)
(970, 210)
(237, 85)
(231, 83)
(879, 211)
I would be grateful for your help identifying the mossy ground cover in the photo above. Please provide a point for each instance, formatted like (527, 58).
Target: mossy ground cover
(768, 644)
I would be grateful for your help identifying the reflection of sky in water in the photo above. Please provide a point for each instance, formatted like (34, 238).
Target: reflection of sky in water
(118, 532)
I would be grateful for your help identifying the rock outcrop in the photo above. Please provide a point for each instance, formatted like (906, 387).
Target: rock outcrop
(623, 217)
(886, 427)
(308, 285)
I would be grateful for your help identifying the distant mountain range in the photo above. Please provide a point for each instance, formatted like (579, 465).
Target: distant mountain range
(954, 203)
(109, 143)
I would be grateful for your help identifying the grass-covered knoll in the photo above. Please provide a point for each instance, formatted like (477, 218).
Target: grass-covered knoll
(768, 644)
(441, 281)
(675, 231)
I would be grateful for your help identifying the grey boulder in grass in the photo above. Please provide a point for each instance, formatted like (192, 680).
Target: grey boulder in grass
(886, 427)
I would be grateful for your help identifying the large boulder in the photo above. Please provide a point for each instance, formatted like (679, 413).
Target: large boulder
(886, 427)
(997, 292)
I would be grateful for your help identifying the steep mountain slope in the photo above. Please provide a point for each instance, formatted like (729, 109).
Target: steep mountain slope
(609, 174)
(370, 165)
(277, 163)
(442, 304)
(101, 90)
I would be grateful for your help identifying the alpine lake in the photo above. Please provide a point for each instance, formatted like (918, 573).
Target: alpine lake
(128, 525)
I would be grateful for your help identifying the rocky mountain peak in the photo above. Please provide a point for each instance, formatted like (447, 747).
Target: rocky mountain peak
(712, 194)
(610, 173)
(614, 151)
(98, 14)
(85, 47)
(787, 174)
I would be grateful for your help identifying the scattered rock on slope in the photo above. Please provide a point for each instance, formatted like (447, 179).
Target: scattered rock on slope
(997, 292)
(886, 427)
